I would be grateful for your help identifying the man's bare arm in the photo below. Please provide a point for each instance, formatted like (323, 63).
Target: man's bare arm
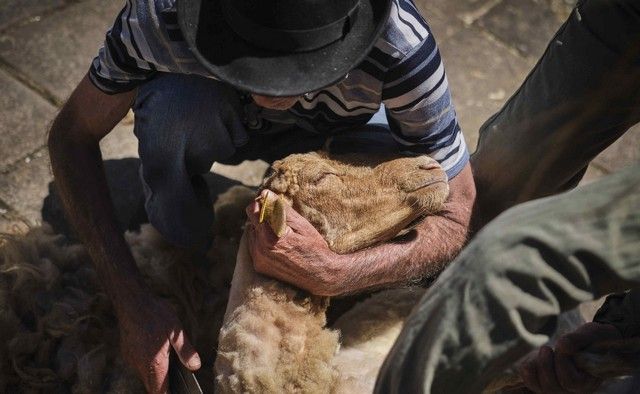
(148, 327)
(76, 161)
(438, 239)
(302, 257)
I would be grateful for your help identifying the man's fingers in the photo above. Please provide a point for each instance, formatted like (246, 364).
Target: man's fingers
(185, 351)
(264, 235)
(546, 371)
(253, 212)
(158, 383)
(292, 215)
(157, 373)
(569, 377)
(528, 371)
(296, 222)
(164, 380)
(584, 336)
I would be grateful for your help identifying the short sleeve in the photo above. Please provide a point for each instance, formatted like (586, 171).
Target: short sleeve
(622, 311)
(120, 65)
(420, 110)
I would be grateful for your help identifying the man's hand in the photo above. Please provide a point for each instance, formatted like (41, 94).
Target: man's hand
(301, 257)
(149, 329)
(553, 371)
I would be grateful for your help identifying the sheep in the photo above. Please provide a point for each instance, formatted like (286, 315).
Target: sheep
(274, 337)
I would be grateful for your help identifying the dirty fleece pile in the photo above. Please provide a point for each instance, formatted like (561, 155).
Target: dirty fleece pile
(57, 327)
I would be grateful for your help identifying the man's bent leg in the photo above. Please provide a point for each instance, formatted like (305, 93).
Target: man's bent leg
(581, 96)
(501, 297)
(175, 118)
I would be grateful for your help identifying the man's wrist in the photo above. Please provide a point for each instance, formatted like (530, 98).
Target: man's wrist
(361, 270)
(128, 295)
(334, 273)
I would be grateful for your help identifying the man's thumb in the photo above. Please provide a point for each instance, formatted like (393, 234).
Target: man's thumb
(185, 351)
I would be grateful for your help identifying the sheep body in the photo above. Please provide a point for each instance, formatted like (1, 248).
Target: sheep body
(275, 339)
(367, 333)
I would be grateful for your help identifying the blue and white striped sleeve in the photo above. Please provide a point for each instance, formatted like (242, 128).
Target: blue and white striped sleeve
(418, 102)
(120, 66)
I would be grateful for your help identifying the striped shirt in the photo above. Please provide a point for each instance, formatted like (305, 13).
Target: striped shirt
(404, 71)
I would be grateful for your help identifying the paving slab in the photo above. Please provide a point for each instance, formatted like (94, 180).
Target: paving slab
(24, 188)
(249, 173)
(56, 51)
(14, 11)
(466, 10)
(441, 26)
(121, 142)
(11, 222)
(594, 172)
(622, 153)
(562, 8)
(25, 119)
(526, 25)
(483, 74)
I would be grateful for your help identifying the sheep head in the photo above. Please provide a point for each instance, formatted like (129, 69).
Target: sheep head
(355, 201)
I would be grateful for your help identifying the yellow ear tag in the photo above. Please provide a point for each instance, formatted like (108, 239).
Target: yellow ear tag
(263, 209)
(273, 211)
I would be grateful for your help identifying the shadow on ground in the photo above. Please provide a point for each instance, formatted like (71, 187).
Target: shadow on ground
(126, 193)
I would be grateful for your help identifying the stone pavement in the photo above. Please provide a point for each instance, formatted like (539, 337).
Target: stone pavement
(46, 47)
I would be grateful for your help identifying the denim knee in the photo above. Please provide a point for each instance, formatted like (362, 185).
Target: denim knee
(175, 124)
(176, 112)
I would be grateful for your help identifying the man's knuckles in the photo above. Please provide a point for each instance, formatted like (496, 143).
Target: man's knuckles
(529, 375)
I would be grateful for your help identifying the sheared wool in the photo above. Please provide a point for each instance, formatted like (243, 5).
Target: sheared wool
(57, 326)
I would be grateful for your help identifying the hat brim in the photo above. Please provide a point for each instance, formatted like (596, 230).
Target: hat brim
(235, 61)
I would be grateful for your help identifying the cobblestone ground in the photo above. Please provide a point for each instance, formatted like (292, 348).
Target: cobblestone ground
(46, 47)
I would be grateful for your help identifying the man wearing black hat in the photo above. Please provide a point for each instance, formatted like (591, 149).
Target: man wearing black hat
(230, 80)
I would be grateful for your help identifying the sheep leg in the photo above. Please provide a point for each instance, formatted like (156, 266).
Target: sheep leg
(244, 277)
(273, 338)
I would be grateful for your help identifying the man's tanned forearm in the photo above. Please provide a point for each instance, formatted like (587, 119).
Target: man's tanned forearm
(80, 180)
(438, 240)
(148, 326)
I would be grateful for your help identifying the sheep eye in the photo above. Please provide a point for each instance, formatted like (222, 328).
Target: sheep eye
(322, 176)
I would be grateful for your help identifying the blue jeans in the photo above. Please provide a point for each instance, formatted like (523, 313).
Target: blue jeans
(177, 145)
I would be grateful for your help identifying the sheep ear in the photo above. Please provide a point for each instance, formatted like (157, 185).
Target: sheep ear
(273, 211)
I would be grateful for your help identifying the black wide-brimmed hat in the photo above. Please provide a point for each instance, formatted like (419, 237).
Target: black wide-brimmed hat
(281, 47)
